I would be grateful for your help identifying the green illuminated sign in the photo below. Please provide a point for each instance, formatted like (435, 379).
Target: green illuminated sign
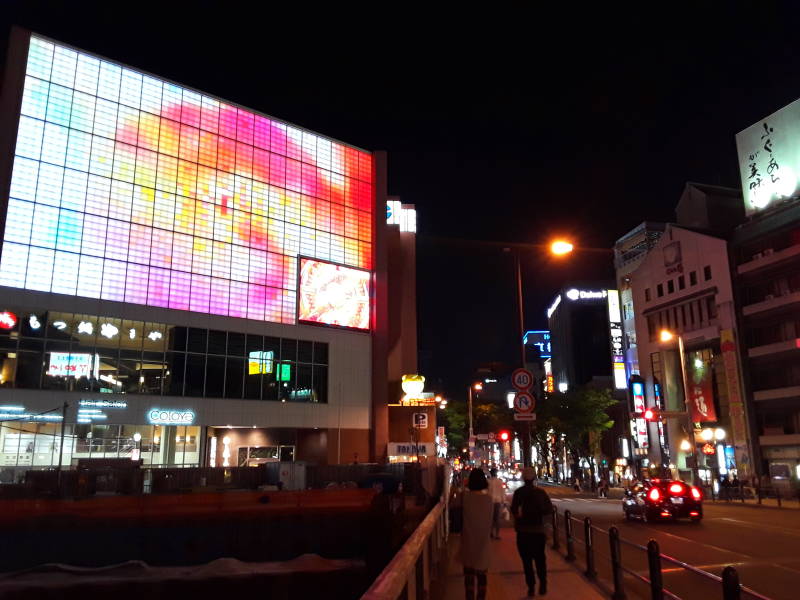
(285, 372)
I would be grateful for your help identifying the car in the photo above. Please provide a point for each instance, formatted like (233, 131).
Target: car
(656, 500)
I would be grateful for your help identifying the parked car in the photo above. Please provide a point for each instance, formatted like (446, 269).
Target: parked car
(663, 500)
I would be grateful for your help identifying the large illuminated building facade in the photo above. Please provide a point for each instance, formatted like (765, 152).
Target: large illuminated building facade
(194, 280)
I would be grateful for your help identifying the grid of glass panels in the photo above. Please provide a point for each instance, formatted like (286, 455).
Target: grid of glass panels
(78, 352)
(126, 187)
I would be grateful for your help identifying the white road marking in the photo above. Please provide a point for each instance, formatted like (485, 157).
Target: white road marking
(759, 526)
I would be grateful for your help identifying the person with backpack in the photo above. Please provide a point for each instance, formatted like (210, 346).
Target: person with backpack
(529, 507)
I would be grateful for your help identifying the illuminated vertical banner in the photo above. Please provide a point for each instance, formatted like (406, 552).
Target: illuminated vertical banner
(615, 331)
(131, 188)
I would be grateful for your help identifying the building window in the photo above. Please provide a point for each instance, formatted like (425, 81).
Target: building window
(647, 294)
(707, 272)
(693, 278)
(711, 307)
(77, 352)
(670, 286)
(681, 282)
(660, 290)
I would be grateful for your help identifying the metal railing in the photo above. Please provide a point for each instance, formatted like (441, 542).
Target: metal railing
(641, 573)
(410, 573)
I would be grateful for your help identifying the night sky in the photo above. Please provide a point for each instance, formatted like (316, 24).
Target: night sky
(498, 126)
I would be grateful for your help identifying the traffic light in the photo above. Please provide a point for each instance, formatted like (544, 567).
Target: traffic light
(503, 436)
(649, 415)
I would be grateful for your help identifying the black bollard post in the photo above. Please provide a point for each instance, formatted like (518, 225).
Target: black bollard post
(616, 564)
(654, 564)
(731, 590)
(570, 540)
(555, 530)
(591, 573)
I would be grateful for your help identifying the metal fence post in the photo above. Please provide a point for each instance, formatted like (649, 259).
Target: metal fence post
(741, 492)
(616, 564)
(570, 540)
(555, 530)
(587, 538)
(654, 564)
(758, 491)
(778, 494)
(731, 590)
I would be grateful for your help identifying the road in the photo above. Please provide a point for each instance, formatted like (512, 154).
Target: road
(763, 544)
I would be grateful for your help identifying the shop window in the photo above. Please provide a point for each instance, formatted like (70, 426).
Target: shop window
(289, 350)
(197, 340)
(217, 342)
(234, 373)
(8, 368)
(321, 383)
(195, 374)
(305, 352)
(152, 372)
(177, 338)
(235, 344)
(29, 369)
(253, 343)
(176, 364)
(215, 376)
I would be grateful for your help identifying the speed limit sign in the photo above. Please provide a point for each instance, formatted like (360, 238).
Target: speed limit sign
(522, 379)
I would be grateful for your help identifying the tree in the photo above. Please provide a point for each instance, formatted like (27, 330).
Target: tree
(454, 418)
(577, 419)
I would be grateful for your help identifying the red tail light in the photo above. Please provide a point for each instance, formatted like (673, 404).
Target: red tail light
(665, 514)
(654, 495)
(694, 513)
(676, 488)
(696, 493)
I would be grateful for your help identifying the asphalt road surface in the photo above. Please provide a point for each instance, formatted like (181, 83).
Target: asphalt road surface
(763, 544)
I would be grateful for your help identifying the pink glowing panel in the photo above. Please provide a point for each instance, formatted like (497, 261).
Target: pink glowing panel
(130, 188)
(333, 295)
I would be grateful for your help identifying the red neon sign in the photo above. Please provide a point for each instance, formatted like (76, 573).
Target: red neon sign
(8, 320)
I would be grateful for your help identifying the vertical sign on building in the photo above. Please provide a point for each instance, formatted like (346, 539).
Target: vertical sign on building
(735, 404)
(615, 329)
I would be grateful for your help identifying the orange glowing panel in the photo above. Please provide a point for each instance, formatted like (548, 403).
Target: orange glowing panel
(333, 295)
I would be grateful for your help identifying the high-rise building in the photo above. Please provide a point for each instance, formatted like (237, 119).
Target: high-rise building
(182, 279)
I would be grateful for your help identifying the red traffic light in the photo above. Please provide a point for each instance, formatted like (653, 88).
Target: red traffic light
(649, 414)
(504, 435)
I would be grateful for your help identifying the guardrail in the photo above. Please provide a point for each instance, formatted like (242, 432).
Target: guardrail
(417, 563)
(642, 572)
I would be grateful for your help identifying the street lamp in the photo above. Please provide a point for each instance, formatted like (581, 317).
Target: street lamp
(477, 387)
(561, 247)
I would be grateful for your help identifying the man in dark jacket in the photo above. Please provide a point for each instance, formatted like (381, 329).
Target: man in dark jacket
(529, 508)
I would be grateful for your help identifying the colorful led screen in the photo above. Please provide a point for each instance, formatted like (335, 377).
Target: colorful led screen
(126, 187)
(333, 295)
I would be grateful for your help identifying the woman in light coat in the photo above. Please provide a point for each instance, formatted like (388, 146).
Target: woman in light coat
(476, 529)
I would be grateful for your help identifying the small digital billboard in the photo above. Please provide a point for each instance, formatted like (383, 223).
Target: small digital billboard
(331, 294)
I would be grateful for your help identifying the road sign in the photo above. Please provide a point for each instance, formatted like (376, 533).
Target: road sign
(482, 436)
(524, 402)
(421, 420)
(522, 379)
(524, 416)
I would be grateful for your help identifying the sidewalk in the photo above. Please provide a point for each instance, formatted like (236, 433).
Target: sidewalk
(506, 579)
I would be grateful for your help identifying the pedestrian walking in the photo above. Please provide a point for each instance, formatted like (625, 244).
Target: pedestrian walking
(529, 507)
(498, 494)
(476, 528)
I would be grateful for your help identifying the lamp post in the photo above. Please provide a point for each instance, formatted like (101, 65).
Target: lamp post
(477, 387)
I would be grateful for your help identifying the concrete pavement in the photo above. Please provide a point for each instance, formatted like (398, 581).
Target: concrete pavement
(506, 578)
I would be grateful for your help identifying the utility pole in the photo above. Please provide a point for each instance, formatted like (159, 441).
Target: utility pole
(526, 431)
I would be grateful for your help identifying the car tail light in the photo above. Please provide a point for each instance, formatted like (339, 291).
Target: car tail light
(676, 489)
(694, 513)
(696, 493)
(654, 495)
(665, 514)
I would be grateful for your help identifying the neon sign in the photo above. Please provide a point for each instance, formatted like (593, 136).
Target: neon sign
(8, 320)
(160, 416)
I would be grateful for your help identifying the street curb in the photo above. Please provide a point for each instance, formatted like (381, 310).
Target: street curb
(748, 505)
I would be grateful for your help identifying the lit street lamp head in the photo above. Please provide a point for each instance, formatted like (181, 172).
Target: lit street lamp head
(666, 335)
(561, 247)
(478, 387)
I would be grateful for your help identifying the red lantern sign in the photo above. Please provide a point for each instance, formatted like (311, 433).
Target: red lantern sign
(709, 449)
(8, 320)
